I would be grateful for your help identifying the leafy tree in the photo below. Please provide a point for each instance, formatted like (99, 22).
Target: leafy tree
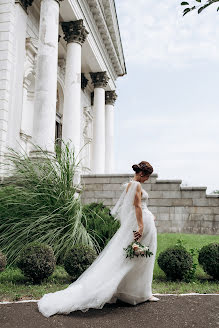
(199, 7)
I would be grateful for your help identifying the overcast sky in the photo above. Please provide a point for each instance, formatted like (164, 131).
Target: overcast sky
(167, 111)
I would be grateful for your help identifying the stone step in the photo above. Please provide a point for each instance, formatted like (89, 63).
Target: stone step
(100, 193)
(212, 195)
(193, 192)
(192, 188)
(112, 178)
(177, 181)
(168, 186)
(183, 202)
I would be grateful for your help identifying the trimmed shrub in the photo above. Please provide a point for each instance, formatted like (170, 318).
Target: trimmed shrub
(3, 261)
(78, 259)
(37, 261)
(176, 262)
(208, 258)
(99, 223)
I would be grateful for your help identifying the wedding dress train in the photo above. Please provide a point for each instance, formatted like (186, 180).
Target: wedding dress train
(112, 276)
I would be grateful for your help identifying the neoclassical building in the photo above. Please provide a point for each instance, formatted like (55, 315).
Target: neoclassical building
(59, 63)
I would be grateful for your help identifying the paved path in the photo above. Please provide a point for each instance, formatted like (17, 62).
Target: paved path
(194, 311)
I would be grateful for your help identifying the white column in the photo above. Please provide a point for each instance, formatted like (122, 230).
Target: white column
(100, 81)
(75, 35)
(15, 111)
(110, 97)
(98, 158)
(46, 76)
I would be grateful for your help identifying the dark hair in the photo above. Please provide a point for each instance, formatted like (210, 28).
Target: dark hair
(143, 166)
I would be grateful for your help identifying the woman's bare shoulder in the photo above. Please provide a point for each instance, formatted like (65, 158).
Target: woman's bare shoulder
(134, 181)
(128, 186)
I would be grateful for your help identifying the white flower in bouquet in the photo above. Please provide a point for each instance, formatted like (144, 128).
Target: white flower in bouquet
(136, 249)
(135, 246)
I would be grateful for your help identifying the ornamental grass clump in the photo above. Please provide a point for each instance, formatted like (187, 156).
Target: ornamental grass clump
(39, 203)
(37, 262)
(78, 259)
(208, 258)
(3, 262)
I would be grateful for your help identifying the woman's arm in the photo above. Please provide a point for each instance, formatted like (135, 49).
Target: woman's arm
(138, 211)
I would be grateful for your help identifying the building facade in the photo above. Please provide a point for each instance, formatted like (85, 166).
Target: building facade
(59, 63)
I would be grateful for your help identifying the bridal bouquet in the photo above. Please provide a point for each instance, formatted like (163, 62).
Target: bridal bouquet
(136, 249)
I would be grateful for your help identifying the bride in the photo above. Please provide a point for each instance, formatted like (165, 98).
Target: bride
(112, 276)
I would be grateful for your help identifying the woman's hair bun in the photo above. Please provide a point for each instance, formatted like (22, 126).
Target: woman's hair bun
(144, 167)
(136, 168)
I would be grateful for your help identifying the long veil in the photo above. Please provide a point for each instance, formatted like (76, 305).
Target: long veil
(124, 207)
(124, 212)
(98, 283)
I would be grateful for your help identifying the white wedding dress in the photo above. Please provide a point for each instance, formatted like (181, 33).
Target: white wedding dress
(112, 276)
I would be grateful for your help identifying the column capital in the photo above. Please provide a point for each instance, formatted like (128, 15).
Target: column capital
(24, 3)
(99, 79)
(110, 97)
(74, 31)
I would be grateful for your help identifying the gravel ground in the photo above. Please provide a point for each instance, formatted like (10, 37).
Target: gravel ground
(194, 311)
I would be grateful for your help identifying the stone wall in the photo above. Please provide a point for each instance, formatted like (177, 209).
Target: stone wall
(177, 208)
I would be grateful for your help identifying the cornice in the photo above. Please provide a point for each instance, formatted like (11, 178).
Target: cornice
(101, 23)
(95, 37)
(113, 27)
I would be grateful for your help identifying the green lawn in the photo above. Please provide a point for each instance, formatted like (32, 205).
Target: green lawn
(14, 286)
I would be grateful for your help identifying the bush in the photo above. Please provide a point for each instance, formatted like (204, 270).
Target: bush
(176, 262)
(3, 261)
(37, 261)
(99, 223)
(78, 259)
(208, 258)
